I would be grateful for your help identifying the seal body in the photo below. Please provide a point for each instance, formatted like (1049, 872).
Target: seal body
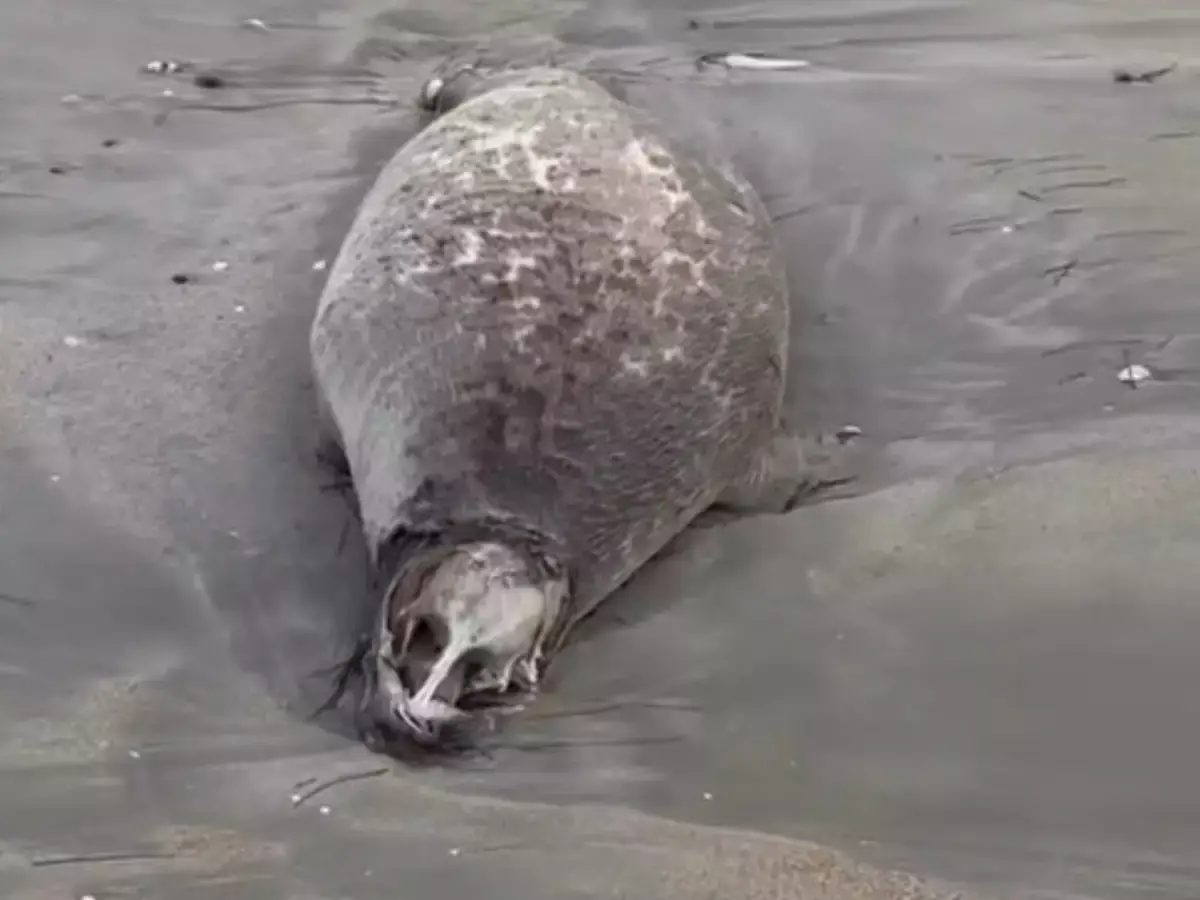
(552, 331)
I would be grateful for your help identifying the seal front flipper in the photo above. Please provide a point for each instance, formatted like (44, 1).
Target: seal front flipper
(330, 455)
(328, 448)
(789, 471)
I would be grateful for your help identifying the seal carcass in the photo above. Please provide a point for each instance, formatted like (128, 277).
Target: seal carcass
(552, 338)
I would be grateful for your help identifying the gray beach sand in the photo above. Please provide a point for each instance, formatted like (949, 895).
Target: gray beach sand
(974, 676)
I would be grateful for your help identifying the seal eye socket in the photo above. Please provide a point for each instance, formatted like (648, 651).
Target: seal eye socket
(425, 637)
(420, 643)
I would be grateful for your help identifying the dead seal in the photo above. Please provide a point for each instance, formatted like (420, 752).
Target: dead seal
(552, 339)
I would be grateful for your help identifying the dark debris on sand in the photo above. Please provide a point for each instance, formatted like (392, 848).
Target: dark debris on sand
(1124, 76)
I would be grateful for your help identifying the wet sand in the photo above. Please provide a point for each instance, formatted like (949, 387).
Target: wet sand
(977, 669)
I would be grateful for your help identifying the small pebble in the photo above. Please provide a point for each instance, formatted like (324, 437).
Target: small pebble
(256, 23)
(220, 265)
(707, 795)
(296, 798)
(71, 341)
(180, 278)
(87, 897)
(55, 478)
(168, 93)
(70, 99)
(455, 851)
(109, 142)
(1134, 374)
(57, 170)
(133, 754)
(325, 810)
(1007, 229)
(319, 265)
(239, 308)
(427, 98)
(208, 81)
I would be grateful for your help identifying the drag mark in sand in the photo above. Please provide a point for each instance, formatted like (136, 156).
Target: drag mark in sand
(271, 104)
(1072, 185)
(42, 862)
(300, 798)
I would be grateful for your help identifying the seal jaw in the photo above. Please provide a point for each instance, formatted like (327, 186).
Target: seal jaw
(465, 632)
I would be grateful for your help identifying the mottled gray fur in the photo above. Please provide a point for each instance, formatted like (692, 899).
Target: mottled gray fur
(547, 314)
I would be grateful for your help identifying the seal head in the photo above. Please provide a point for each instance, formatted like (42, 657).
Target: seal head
(464, 625)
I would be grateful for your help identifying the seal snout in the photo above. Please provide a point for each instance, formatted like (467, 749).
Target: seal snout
(470, 638)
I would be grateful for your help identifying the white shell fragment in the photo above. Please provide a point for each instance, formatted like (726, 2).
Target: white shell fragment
(847, 433)
(71, 341)
(164, 66)
(257, 24)
(754, 61)
(220, 265)
(1134, 374)
(319, 265)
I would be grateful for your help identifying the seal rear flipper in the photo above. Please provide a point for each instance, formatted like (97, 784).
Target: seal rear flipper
(791, 469)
